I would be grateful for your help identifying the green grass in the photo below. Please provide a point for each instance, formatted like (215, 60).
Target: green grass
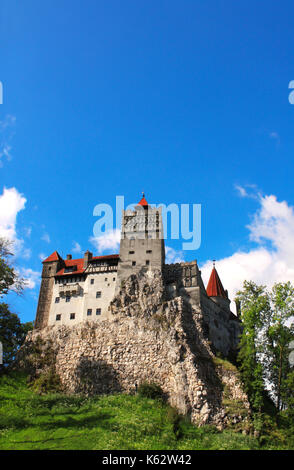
(56, 421)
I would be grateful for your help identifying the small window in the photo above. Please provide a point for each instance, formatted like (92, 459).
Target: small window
(92, 281)
(133, 263)
(72, 316)
(113, 279)
(105, 279)
(58, 317)
(67, 299)
(148, 251)
(89, 312)
(147, 262)
(98, 294)
(131, 252)
(98, 311)
(57, 300)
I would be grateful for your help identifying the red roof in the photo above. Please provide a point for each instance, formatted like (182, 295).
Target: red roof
(79, 263)
(214, 286)
(143, 201)
(54, 257)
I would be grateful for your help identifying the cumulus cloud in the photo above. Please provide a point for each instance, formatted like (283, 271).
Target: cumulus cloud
(76, 248)
(173, 256)
(11, 203)
(32, 278)
(272, 260)
(108, 241)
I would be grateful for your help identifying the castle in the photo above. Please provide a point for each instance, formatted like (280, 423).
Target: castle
(78, 290)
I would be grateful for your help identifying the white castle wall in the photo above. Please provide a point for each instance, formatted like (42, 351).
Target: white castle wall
(79, 303)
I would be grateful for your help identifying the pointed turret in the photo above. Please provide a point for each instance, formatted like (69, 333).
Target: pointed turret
(216, 291)
(214, 286)
(143, 201)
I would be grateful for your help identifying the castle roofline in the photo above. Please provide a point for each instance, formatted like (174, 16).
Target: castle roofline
(79, 263)
(55, 256)
(214, 286)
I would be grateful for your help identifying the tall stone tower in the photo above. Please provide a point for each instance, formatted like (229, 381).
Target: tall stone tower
(142, 241)
(50, 267)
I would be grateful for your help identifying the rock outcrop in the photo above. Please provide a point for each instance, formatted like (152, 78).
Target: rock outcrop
(149, 338)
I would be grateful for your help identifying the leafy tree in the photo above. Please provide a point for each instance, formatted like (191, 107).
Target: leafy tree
(9, 278)
(255, 310)
(279, 333)
(12, 333)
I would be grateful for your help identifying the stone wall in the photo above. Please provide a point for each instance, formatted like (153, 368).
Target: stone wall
(149, 339)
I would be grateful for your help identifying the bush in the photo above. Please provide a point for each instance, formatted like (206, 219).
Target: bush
(150, 390)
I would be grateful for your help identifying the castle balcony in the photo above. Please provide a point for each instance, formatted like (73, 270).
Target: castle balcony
(72, 288)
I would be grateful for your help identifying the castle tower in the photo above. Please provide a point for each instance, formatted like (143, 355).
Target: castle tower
(142, 241)
(50, 267)
(216, 291)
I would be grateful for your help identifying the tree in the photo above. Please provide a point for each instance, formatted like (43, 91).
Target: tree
(279, 333)
(255, 310)
(9, 278)
(12, 333)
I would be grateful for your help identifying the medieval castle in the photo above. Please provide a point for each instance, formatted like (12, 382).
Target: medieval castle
(79, 290)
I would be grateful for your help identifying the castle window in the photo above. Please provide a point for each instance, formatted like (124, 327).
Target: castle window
(148, 251)
(105, 279)
(147, 262)
(58, 317)
(67, 299)
(131, 252)
(98, 294)
(92, 281)
(70, 269)
(89, 312)
(113, 279)
(72, 316)
(98, 311)
(57, 300)
(133, 263)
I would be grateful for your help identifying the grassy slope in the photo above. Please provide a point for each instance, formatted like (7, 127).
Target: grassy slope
(55, 421)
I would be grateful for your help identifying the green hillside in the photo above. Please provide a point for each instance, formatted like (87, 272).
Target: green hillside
(56, 421)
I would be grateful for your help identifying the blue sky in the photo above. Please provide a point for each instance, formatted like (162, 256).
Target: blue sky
(187, 101)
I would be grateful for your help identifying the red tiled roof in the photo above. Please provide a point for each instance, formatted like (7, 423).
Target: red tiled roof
(53, 257)
(214, 286)
(79, 263)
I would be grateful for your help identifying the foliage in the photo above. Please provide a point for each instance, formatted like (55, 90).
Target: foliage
(9, 278)
(255, 309)
(278, 337)
(264, 346)
(12, 333)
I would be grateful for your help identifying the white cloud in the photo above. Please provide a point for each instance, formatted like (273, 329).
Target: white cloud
(42, 256)
(32, 278)
(76, 248)
(109, 241)
(11, 203)
(6, 135)
(173, 256)
(46, 238)
(272, 260)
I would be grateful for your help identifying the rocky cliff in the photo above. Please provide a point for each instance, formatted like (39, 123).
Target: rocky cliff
(149, 338)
